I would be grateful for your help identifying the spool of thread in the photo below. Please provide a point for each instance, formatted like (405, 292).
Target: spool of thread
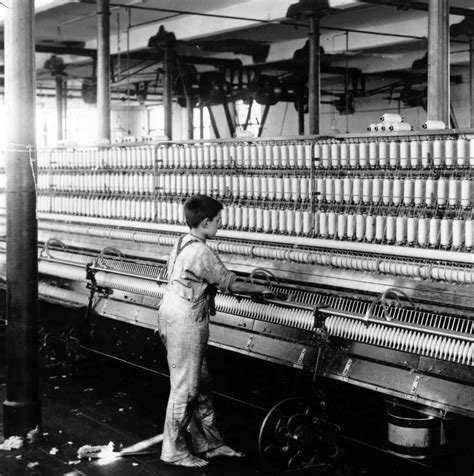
(373, 153)
(402, 126)
(458, 233)
(341, 225)
(307, 155)
(323, 224)
(329, 187)
(461, 151)
(266, 220)
(335, 155)
(347, 189)
(442, 192)
(423, 230)
(414, 153)
(291, 155)
(438, 152)
(383, 154)
(332, 223)
(408, 191)
(397, 193)
(366, 190)
(401, 230)
(305, 188)
(351, 225)
(434, 125)
(274, 220)
(360, 226)
(306, 223)
(354, 154)
(320, 189)
(454, 192)
(445, 232)
(356, 190)
(264, 181)
(434, 232)
(298, 224)
(391, 118)
(390, 229)
(369, 228)
(411, 230)
(379, 228)
(430, 185)
(344, 154)
(238, 217)
(363, 154)
(466, 193)
(325, 155)
(449, 152)
(376, 190)
(426, 152)
(372, 127)
(394, 153)
(295, 188)
(468, 233)
(338, 190)
(387, 191)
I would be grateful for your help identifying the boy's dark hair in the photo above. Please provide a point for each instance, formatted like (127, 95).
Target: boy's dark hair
(199, 207)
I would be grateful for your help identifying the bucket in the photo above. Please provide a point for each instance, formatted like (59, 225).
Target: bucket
(414, 434)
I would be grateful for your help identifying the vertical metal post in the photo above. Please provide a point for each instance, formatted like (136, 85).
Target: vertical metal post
(168, 90)
(65, 108)
(22, 408)
(471, 79)
(314, 75)
(438, 61)
(103, 68)
(59, 106)
(190, 114)
(201, 121)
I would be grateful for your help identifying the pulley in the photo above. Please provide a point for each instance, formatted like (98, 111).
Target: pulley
(213, 87)
(294, 435)
(266, 90)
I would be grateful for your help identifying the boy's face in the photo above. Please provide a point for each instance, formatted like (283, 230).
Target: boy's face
(211, 226)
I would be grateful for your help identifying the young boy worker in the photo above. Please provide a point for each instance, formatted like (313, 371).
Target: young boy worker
(195, 272)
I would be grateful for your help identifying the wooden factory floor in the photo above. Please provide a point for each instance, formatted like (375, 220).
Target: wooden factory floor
(99, 401)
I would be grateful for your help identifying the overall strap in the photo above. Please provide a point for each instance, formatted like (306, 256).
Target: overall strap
(180, 248)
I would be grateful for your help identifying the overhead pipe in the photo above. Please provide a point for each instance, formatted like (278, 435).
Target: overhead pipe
(103, 69)
(22, 407)
(438, 62)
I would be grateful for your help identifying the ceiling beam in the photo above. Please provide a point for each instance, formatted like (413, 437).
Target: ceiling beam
(412, 5)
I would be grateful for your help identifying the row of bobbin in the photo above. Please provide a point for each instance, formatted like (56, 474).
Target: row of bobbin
(396, 190)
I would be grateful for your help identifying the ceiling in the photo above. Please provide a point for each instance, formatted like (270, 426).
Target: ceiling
(240, 38)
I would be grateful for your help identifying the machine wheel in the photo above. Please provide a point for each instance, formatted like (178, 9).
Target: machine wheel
(293, 436)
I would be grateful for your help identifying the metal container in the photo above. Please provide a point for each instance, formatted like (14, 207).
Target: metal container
(414, 434)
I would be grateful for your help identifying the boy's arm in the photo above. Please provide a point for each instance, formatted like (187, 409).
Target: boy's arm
(247, 288)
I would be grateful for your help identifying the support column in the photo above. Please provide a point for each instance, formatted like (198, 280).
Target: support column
(314, 75)
(471, 79)
(168, 90)
(438, 61)
(59, 106)
(103, 68)
(22, 407)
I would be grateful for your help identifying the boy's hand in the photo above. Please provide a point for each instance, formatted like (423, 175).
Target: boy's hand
(262, 294)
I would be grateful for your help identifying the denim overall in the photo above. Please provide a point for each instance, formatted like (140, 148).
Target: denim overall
(183, 323)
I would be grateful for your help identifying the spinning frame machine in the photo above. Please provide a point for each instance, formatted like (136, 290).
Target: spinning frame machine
(365, 240)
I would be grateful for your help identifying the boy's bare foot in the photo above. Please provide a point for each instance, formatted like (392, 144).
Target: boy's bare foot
(189, 461)
(223, 450)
